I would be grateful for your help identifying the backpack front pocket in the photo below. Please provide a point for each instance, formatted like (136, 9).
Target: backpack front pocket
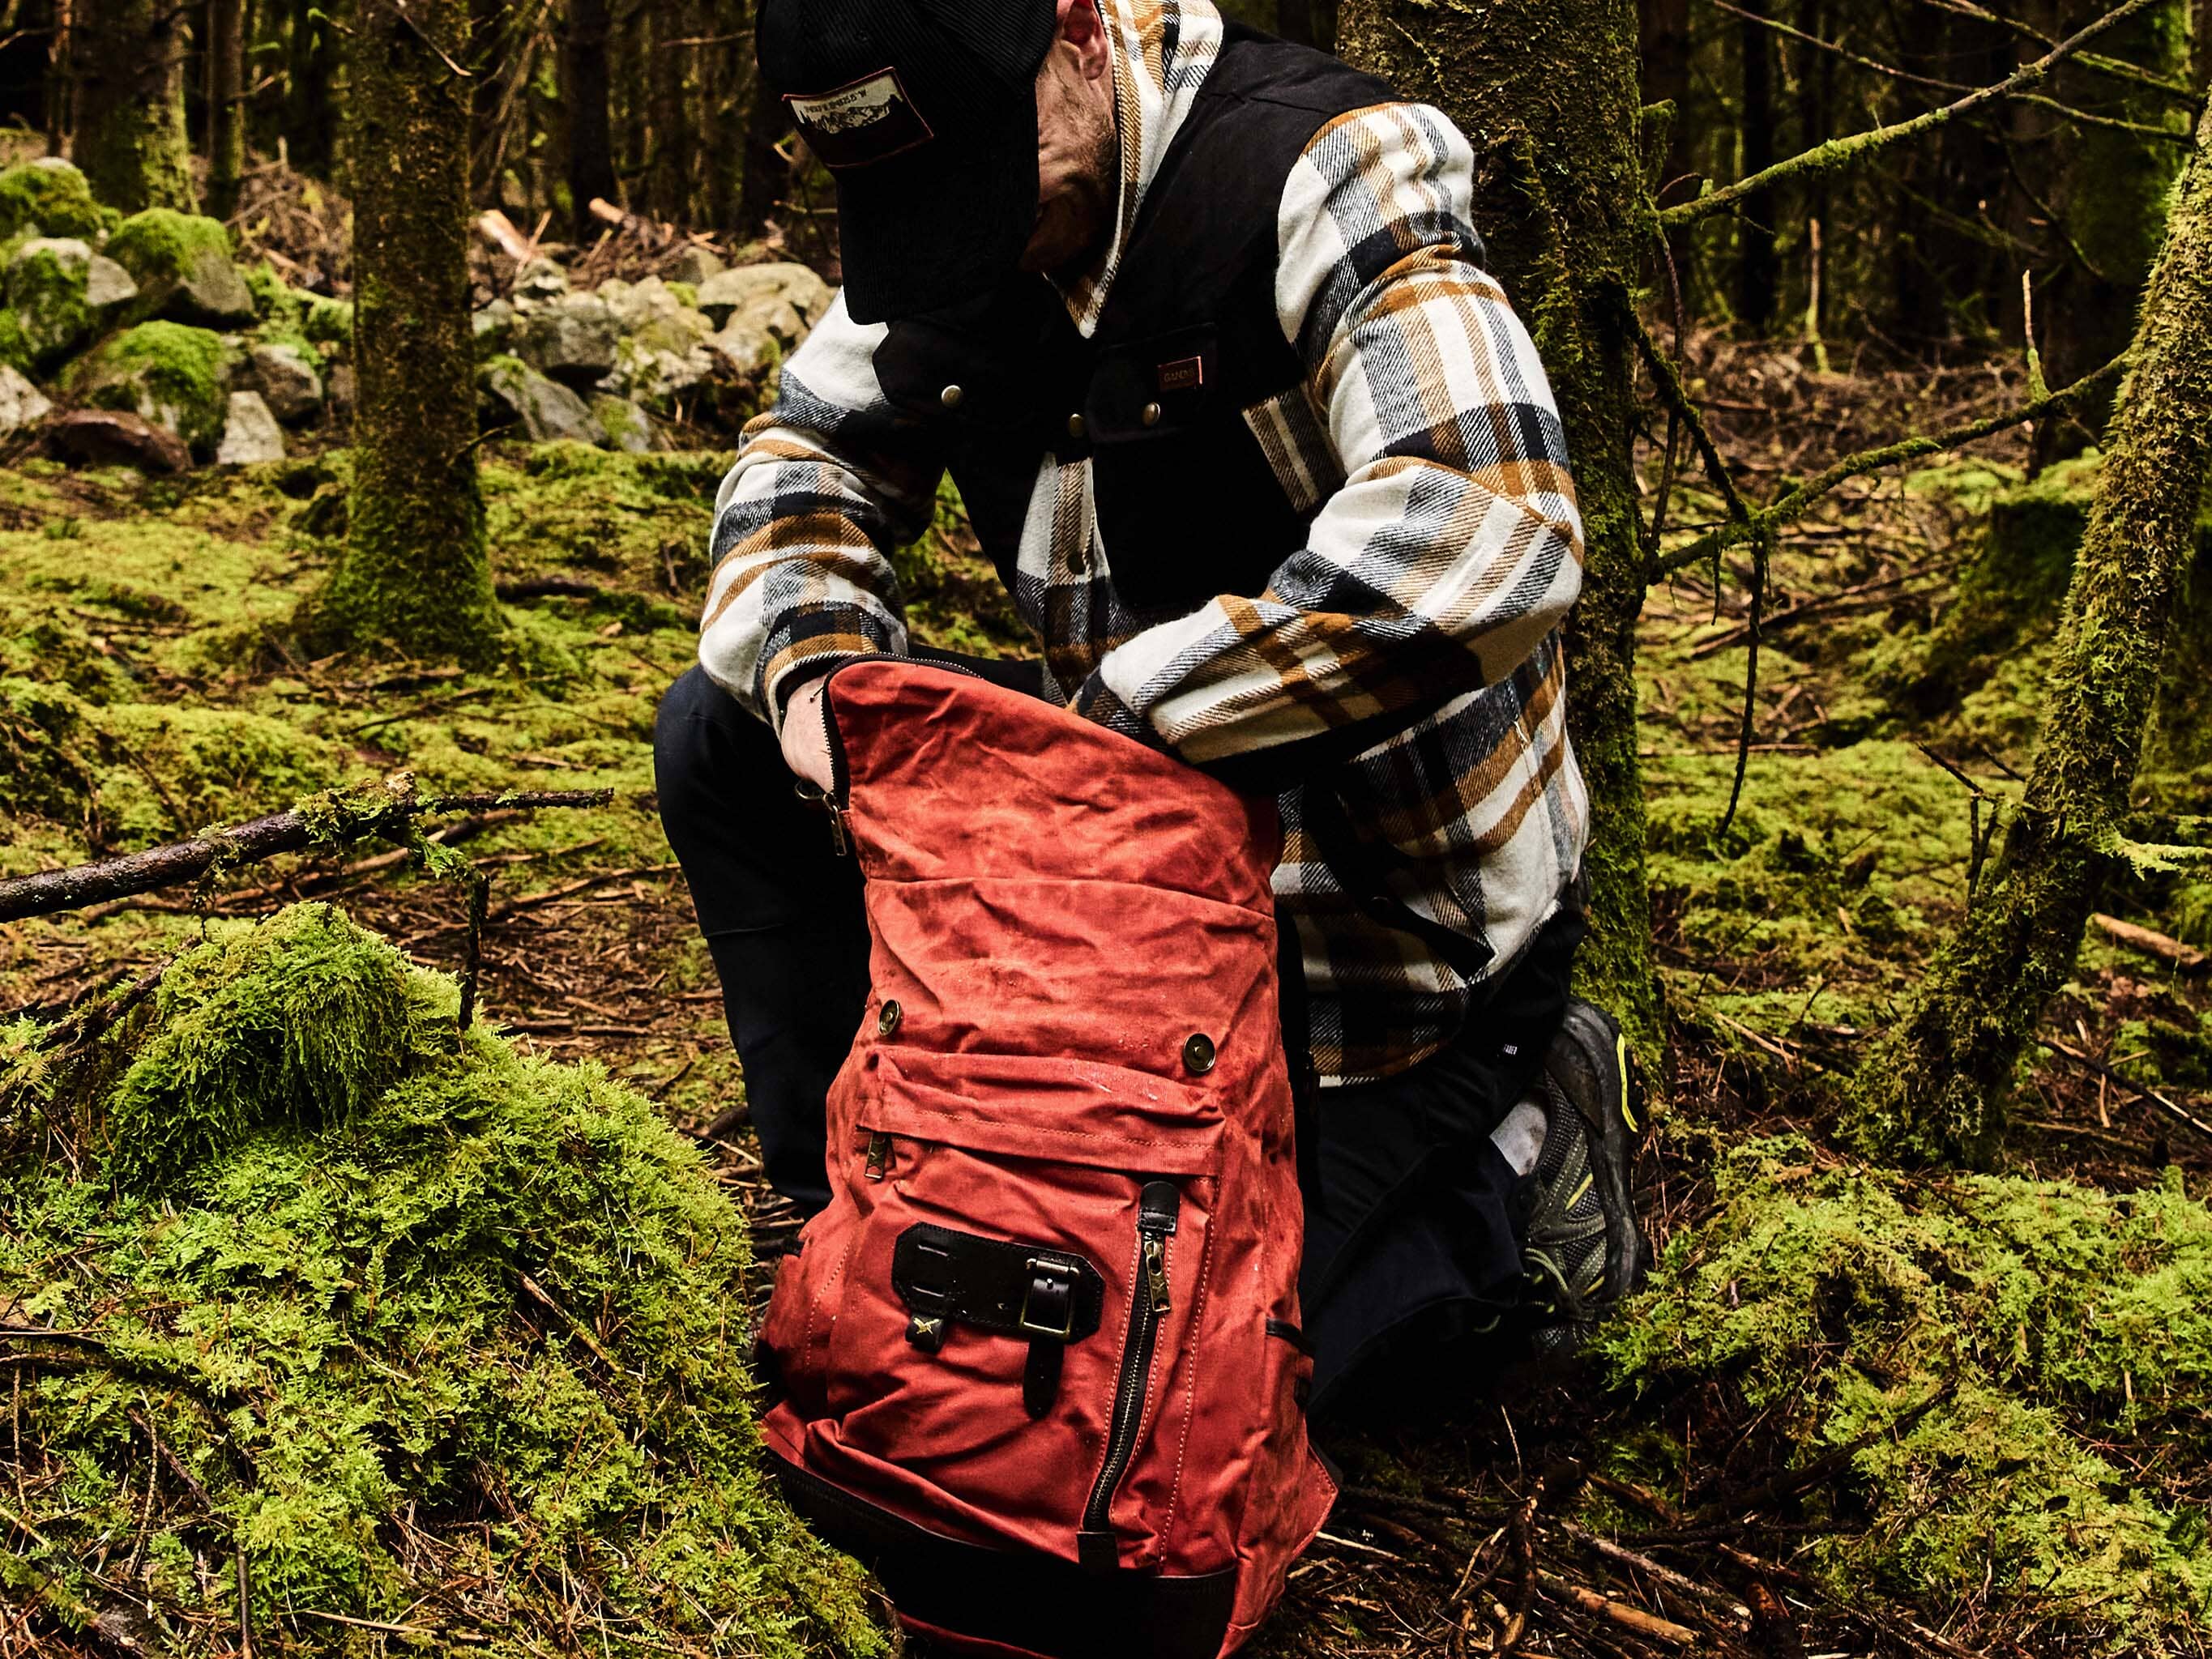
(1019, 1290)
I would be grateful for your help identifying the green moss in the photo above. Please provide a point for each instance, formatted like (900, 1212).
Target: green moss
(328, 322)
(46, 302)
(282, 309)
(49, 199)
(419, 1313)
(1999, 1357)
(161, 245)
(167, 372)
(44, 771)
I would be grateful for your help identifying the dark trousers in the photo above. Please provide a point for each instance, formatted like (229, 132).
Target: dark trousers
(1412, 1235)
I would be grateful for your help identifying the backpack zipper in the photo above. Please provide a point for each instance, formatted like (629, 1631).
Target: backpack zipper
(838, 797)
(1157, 1209)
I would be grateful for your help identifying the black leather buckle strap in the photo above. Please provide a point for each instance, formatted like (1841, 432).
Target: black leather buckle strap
(1050, 1296)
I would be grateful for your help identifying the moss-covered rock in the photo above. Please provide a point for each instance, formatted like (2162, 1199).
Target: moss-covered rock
(165, 373)
(1990, 1364)
(328, 322)
(49, 197)
(436, 1326)
(47, 290)
(182, 264)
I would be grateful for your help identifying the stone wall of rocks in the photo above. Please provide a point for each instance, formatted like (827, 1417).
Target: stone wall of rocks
(142, 340)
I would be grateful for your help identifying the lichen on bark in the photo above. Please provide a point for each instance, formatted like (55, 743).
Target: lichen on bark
(415, 574)
(1934, 1089)
(127, 58)
(1546, 91)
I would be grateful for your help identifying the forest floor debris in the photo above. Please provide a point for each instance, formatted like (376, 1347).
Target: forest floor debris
(1602, 1521)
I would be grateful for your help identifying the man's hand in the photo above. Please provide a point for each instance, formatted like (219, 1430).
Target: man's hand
(806, 735)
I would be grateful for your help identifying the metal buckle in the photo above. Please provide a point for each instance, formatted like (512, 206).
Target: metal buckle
(1036, 1267)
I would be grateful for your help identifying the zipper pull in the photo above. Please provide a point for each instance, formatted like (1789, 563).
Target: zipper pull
(837, 838)
(1156, 1271)
(1159, 1207)
(879, 1155)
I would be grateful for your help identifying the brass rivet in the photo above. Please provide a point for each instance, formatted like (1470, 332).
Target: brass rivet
(952, 396)
(1198, 1055)
(1152, 414)
(887, 1022)
(1077, 426)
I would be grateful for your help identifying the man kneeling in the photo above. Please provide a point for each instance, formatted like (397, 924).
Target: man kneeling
(1197, 322)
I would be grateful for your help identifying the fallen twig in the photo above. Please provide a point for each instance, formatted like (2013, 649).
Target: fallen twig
(334, 820)
(2187, 958)
(1619, 1612)
(2179, 1113)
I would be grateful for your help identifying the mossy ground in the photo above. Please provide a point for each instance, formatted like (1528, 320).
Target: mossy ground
(428, 1333)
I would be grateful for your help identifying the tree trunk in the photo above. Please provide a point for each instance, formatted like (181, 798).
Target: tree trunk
(310, 114)
(415, 574)
(1548, 91)
(766, 172)
(127, 58)
(226, 93)
(2114, 199)
(670, 132)
(1663, 32)
(591, 134)
(1935, 1088)
(1758, 266)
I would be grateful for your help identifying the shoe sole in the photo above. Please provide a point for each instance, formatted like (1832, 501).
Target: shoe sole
(1588, 1060)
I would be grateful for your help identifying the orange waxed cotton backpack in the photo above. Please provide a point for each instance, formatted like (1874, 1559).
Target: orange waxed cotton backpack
(1039, 1362)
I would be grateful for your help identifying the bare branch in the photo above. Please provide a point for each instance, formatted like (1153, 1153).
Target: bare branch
(354, 819)
(1796, 503)
(1840, 153)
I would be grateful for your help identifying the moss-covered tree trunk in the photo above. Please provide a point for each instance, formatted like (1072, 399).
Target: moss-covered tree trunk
(226, 94)
(1546, 91)
(1934, 1088)
(127, 58)
(415, 574)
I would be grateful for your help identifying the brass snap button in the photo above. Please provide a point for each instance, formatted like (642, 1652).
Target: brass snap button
(887, 1021)
(1077, 426)
(1198, 1054)
(1152, 413)
(952, 396)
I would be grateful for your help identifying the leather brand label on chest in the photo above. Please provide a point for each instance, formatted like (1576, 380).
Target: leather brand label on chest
(1184, 374)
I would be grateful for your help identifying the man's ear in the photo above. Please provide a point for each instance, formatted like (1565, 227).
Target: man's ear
(1083, 28)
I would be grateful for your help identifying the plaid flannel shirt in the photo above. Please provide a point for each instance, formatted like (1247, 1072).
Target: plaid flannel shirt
(1446, 533)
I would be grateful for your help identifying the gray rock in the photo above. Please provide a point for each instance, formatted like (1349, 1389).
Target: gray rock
(107, 284)
(695, 264)
(252, 435)
(290, 381)
(546, 410)
(494, 327)
(747, 349)
(646, 375)
(572, 339)
(539, 281)
(627, 428)
(21, 404)
(211, 294)
(786, 299)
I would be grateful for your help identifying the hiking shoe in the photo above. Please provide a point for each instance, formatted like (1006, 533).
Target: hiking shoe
(1583, 1251)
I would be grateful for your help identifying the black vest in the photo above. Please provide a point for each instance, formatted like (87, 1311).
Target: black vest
(1188, 507)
